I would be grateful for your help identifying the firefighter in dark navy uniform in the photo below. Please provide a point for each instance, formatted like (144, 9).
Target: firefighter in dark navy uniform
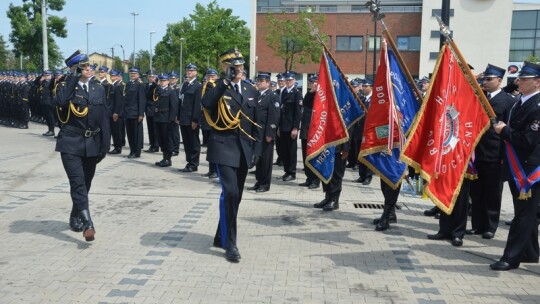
(84, 137)
(134, 107)
(312, 181)
(230, 107)
(522, 132)
(189, 113)
(289, 123)
(268, 118)
(486, 191)
(115, 99)
(165, 115)
(150, 110)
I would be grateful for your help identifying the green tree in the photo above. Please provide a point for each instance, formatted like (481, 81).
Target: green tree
(26, 32)
(208, 32)
(531, 58)
(4, 53)
(291, 39)
(142, 59)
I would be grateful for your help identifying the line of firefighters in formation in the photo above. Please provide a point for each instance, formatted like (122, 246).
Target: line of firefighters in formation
(284, 117)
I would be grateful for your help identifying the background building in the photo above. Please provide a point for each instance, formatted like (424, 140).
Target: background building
(486, 31)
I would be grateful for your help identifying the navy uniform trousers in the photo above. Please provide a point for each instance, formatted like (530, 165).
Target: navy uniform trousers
(232, 187)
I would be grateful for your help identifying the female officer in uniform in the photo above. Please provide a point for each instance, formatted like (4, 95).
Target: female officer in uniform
(84, 137)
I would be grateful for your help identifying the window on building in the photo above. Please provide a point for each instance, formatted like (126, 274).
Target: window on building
(525, 35)
(408, 43)
(433, 55)
(437, 34)
(349, 43)
(438, 12)
(372, 41)
(359, 8)
(328, 8)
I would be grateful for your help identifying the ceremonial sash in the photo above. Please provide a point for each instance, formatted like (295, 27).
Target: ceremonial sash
(523, 182)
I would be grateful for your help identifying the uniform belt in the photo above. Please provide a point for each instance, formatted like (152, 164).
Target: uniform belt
(85, 133)
(161, 110)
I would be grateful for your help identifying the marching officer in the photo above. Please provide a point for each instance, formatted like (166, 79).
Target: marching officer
(134, 107)
(230, 107)
(280, 85)
(521, 133)
(189, 113)
(165, 115)
(289, 123)
(268, 118)
(486, 191)
(84, 137)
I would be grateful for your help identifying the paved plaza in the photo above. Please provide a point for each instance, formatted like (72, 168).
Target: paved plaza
(155, 227)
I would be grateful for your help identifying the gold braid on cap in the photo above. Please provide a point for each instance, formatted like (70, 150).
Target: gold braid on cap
(225, 119)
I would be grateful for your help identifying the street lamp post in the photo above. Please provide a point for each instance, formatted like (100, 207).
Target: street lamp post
(152, 32)
(181, 59)
(134, 15)
(123, 54)
(87, 48)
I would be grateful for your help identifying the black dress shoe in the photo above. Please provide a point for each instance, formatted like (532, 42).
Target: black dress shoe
(437, 236)
(488, 235)
(304, 184)
(288, 178)
(320, 204)
(254, 187)
(359, 180)
(457, 242)
(232, 254)
(392, 219)
(133, 156)
(115, 151)
(188, 169)
(252, 172)
(331, 206)
(152, 150)
(508, 222)
(262, 189)
(472, 232)
(164, 163)
(75, 224)
(502, 266)
(432, 212)
(213, 175)
(367, 181)
(313, 186)
(175, 153)
(207, 174)
(48, 133)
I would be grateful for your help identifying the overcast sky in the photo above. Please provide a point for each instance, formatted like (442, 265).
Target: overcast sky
(113, 22)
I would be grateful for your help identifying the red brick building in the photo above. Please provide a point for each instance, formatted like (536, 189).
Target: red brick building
(349, 32)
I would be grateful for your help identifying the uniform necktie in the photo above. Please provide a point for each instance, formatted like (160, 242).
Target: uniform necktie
(85, 88)
(236, 88)
(489, 96)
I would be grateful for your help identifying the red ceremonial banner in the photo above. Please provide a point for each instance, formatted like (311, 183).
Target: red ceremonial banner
(445, 132)
(379, 134)
(326, 128)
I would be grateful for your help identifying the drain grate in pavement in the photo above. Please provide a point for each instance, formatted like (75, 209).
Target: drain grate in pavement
(372, 206)
(368, 206)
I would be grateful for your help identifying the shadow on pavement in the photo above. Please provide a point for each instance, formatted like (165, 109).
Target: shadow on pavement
(54, 229)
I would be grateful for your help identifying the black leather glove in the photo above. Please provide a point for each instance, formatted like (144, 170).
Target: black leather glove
(100, 157)
(254, 161)
(230, 74)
